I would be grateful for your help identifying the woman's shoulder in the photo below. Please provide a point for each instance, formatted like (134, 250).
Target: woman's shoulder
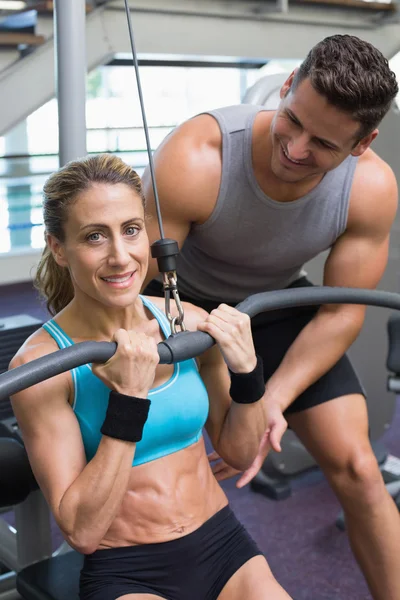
(38, 344)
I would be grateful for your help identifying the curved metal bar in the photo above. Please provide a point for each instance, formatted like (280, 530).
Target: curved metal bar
(187, 344)
(313, 296)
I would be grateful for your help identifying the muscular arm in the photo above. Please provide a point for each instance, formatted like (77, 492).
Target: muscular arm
(358, 259)
(84, 497)
(187, 170)
(235, 429)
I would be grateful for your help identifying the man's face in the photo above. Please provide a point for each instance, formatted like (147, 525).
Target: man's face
(310, 136)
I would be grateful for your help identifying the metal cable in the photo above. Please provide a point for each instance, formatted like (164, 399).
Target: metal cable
(146, 130)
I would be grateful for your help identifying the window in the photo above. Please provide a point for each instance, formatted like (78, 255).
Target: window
(172, 94)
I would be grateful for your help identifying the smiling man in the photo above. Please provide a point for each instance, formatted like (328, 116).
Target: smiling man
(251, 195)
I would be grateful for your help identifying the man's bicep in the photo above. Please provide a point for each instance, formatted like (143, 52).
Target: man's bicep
(357, 261)
(359, 257)
(187, 169)
(176, 224)
(175, 231)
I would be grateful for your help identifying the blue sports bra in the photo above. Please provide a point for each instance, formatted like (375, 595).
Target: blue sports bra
(178, 411)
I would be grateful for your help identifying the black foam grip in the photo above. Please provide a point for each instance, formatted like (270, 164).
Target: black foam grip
(16, 477)
(187, 344)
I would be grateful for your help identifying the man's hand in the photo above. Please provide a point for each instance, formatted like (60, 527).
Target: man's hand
(220, 468)
(271, 440)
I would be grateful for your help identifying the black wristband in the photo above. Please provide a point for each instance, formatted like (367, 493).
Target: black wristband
(247, 388)
(125, 417)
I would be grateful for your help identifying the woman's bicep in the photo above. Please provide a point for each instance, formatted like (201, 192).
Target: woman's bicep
(215, 375)
(51, 437)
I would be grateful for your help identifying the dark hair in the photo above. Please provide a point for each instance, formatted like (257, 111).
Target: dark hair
(353, 76)
(60, 191)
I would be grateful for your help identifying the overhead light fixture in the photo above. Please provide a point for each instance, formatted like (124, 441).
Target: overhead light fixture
(12, 5)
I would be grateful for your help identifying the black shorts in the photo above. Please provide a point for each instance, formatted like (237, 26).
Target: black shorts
(196, 566)
(273, 334)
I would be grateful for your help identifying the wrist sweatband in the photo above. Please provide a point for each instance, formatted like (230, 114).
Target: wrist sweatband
(125, 417)
(247, 388)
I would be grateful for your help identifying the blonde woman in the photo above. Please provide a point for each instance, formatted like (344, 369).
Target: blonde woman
(117, 448)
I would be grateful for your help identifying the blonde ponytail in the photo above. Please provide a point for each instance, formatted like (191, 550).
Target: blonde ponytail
(53, 282)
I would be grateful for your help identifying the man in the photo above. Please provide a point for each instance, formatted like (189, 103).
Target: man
(251, 195)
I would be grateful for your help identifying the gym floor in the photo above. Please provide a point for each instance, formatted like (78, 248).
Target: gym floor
(309, 556)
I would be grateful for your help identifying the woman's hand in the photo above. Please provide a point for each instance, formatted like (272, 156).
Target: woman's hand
(231, 330)
(131, 370)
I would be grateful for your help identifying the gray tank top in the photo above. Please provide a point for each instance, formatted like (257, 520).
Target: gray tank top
(252, 243)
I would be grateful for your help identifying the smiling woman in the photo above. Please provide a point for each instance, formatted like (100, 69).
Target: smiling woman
(128, 478)
(104, 255)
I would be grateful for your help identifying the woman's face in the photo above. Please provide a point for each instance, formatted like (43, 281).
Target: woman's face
(106, 247)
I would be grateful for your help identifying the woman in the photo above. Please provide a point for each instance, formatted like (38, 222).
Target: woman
(117, 448)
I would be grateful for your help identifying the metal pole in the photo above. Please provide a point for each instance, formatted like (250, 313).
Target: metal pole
(8, 550)
(283, 5)
(32, 522)
(70, 64)
(8, 585)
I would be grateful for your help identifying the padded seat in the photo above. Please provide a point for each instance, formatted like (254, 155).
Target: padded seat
(393, 359)
(56, 578)
(13, 333)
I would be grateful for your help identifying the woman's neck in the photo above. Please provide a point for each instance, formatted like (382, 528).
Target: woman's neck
(85, 318)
